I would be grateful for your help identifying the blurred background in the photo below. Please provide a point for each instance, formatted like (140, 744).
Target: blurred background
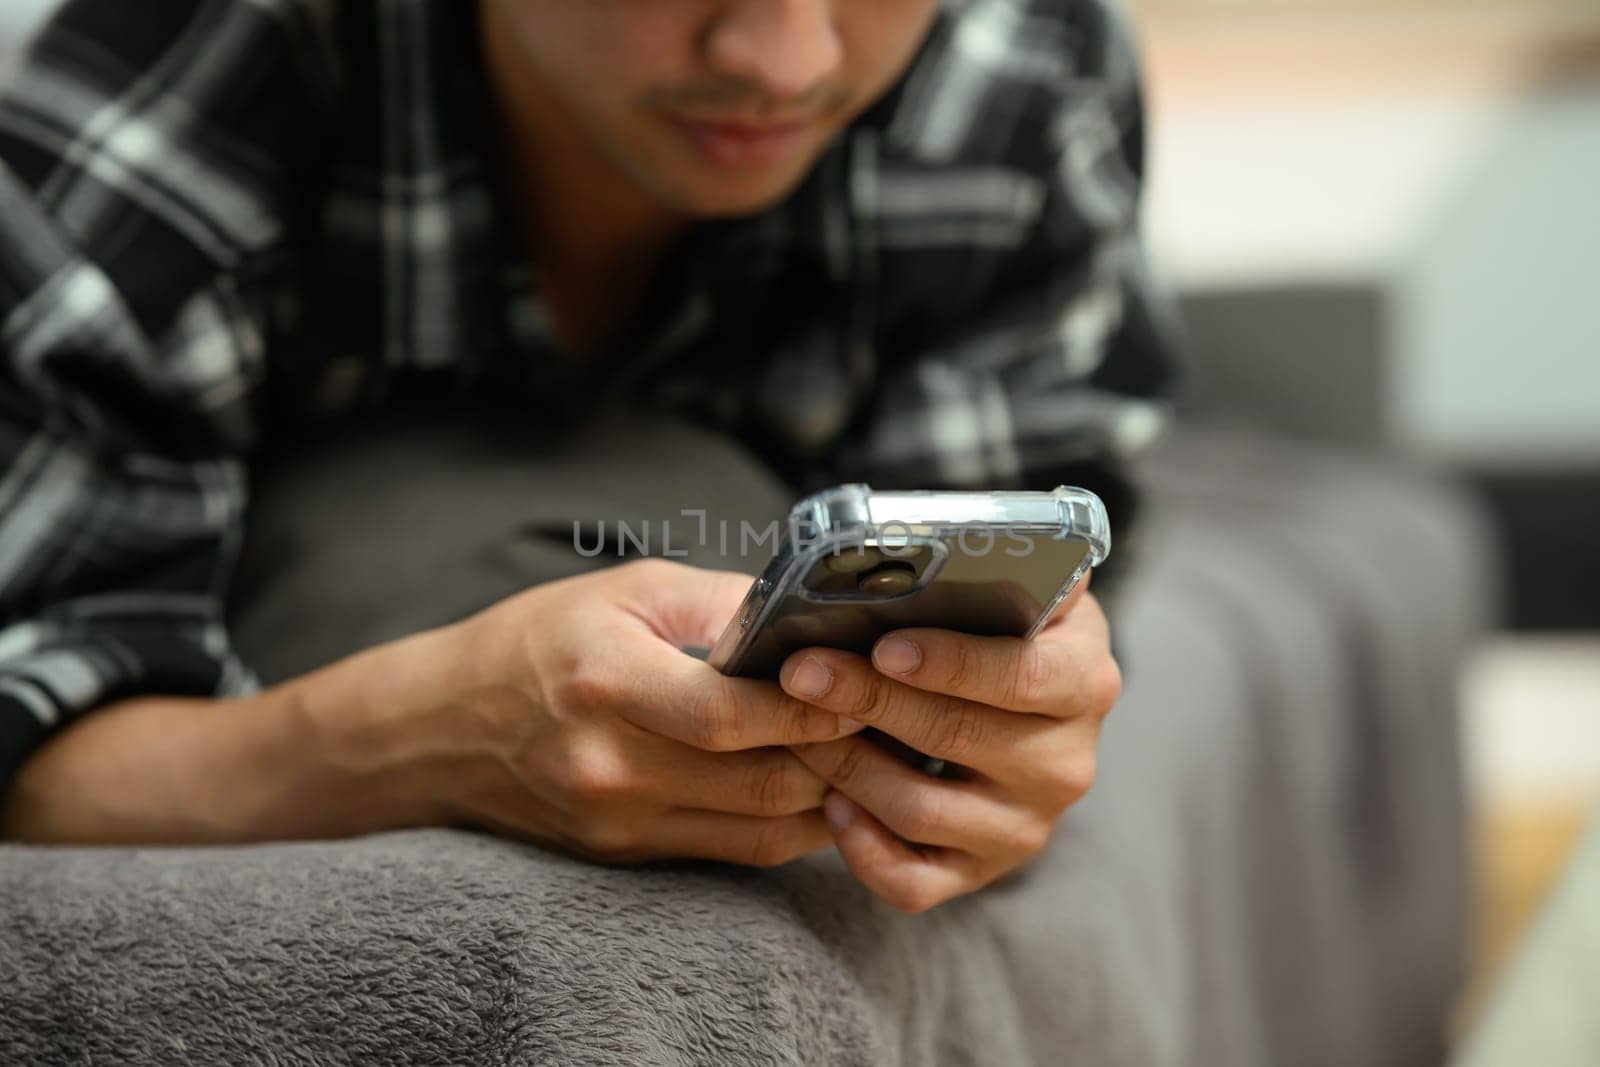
(1382, 219)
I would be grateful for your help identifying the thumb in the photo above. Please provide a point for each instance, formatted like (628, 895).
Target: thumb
(688, 605)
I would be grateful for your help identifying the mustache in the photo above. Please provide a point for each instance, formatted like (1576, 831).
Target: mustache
(742, 98)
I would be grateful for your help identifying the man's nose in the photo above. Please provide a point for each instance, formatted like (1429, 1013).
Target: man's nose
(786, 48)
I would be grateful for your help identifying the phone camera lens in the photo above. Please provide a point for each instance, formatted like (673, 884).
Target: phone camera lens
(854, 560)
(888, 579)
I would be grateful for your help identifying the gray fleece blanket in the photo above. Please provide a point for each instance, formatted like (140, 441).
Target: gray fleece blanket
(1268, 871)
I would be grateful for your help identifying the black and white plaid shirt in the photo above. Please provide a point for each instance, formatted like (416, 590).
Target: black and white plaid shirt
(222, 221)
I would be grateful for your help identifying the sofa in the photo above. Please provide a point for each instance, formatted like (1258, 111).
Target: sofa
(1269, 870)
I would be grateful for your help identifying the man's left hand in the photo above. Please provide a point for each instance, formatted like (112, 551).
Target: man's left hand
(1020, 718)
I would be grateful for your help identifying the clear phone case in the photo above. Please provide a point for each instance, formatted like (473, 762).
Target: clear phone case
(853, 564)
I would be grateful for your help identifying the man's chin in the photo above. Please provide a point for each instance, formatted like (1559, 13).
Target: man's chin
(732, 203)
(703, 193)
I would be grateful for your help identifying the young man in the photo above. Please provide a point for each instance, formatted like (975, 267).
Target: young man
(886, 241)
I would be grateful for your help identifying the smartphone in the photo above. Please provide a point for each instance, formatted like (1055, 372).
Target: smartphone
(853, 564)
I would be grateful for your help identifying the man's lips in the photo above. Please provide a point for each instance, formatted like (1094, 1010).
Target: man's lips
(743, 144)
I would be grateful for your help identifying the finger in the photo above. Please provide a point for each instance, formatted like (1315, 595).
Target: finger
(920, 809)
(673, 695)
(991, 740)
(910, 879)
(765, 781)
(1074, 597)
(1081, 613)
(744, 839)
(1066, 671)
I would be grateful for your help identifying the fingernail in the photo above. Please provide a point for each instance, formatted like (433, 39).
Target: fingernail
(851, 726)
(811, 678)
(896, 655)
(838, 810)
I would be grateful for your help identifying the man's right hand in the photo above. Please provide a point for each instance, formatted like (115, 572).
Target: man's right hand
(617, 746)
(565, 715)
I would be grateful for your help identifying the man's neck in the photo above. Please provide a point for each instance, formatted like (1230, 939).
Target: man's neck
(593, 236)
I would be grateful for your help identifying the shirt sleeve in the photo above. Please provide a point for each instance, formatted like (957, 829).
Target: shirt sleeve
(1062, 372)
(145, 158)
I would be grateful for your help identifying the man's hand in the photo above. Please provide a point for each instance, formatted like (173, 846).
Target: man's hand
(565, 715)
(619, 747)
(568, 716)
(1021, 717)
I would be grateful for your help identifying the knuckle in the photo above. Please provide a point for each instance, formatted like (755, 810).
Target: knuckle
(799, 719)
(1104, 686)
(924, 815)
(774, 788)
(714, 721)
(584, 684)
(1030, 679)
(592, 774)
(851, 763)
(955, 731)
(774, 844)
(911, 899)
(1073, 774)
(961, 667)
(866, 697)
(608, 841)
(1030, 837)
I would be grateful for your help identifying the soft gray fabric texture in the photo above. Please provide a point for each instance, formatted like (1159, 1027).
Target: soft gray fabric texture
(1268, 871)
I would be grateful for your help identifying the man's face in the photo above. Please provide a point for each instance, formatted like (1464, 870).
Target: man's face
(714, 107)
